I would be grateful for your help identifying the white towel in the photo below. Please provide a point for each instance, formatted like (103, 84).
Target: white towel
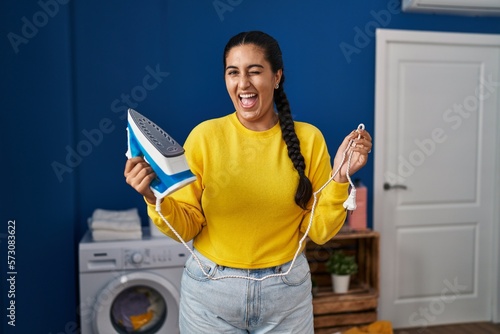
(107, 235)
(110, 220)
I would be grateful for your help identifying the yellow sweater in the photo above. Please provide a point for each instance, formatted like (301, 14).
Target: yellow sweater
(241, 211)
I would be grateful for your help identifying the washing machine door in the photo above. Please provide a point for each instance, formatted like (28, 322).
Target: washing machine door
(138, 302)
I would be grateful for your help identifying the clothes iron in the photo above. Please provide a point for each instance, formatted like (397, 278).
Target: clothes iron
(161, 151)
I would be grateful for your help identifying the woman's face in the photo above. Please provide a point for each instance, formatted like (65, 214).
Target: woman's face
(250, 83)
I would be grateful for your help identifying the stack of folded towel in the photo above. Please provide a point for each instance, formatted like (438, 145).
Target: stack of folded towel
(115, 225)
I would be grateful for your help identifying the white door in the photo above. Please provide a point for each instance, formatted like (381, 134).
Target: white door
(436, 147)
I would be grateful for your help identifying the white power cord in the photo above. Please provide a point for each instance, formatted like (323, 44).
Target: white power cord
(349, 204)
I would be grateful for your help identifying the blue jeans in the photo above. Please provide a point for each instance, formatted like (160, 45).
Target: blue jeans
(234, 305)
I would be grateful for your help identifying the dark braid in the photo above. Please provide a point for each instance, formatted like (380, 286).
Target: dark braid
(273, 55)
(304, 189)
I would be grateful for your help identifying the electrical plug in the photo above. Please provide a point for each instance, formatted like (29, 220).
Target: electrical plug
(350, 203)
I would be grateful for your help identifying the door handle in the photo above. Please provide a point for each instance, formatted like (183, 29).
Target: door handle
(388, 186)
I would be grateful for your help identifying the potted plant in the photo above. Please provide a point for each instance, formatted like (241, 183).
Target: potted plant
(341, 266)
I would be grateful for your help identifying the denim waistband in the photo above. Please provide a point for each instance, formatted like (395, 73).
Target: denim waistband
(258, 272)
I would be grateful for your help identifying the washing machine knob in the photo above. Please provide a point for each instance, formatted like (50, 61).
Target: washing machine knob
(137, 258)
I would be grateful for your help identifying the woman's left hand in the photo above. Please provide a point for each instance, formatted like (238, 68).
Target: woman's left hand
(360, 147)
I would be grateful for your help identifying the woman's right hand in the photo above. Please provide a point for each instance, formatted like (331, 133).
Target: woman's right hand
(139, 174)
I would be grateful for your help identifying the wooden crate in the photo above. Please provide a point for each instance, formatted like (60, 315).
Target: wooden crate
(334, 312)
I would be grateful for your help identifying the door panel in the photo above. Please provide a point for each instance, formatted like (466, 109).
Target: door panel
(436, 118)
(428, 143)
(420, 244)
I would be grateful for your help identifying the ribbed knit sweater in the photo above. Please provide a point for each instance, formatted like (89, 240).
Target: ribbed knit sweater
(241, 211)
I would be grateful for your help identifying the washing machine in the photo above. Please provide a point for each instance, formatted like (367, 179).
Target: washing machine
(130, 286)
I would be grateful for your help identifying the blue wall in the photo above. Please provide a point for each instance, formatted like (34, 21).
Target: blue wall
(70, 69)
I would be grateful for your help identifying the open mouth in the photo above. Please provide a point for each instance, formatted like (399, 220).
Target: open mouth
(248, 100)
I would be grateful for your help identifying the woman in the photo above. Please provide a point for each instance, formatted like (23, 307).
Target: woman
(256, 171)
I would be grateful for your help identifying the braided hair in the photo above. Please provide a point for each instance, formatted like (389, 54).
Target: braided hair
(272, 53)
